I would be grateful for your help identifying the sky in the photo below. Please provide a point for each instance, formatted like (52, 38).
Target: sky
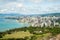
(29, 6)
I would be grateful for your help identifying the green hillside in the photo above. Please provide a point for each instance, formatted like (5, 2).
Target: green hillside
(30, 33)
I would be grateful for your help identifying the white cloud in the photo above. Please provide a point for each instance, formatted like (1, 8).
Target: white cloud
(3, 10)
(36, 1)
(11, 7)
(19, 5)
(26, 7)
(53, 0)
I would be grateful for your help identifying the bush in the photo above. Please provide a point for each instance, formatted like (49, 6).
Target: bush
(1, 36)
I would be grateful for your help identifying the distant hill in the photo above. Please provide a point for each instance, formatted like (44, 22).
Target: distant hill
(48, 14)
(16, 14)
(52, 14)
(12, 14)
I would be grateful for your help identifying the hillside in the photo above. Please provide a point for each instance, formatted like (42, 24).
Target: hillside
(31, 33)
(20, 34)
(53, 14)
(48, 14)
(16, 14)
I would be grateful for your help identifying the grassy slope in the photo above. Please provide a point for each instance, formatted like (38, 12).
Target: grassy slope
(20, 34)
(29, 32)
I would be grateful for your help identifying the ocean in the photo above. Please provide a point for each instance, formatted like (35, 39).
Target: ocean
(7, 24)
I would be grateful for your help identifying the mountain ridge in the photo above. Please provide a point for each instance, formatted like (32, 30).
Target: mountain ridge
(15, 14)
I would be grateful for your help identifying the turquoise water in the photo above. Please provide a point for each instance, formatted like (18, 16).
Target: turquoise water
(6, 24)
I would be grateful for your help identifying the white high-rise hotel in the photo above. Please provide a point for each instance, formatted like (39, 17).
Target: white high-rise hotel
(41, 21)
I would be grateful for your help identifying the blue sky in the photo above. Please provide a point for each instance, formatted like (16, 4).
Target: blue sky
(29, 6)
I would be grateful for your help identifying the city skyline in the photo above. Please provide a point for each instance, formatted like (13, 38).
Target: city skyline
(29, 6)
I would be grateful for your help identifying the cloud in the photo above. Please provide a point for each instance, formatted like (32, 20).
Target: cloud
(19, 5)
(11, 7)
(36, 1)
(53, 0)
(3, 10)
(30, 6)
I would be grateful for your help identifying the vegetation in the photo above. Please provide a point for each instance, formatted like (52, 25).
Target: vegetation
(30, 33)
(20, 34)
